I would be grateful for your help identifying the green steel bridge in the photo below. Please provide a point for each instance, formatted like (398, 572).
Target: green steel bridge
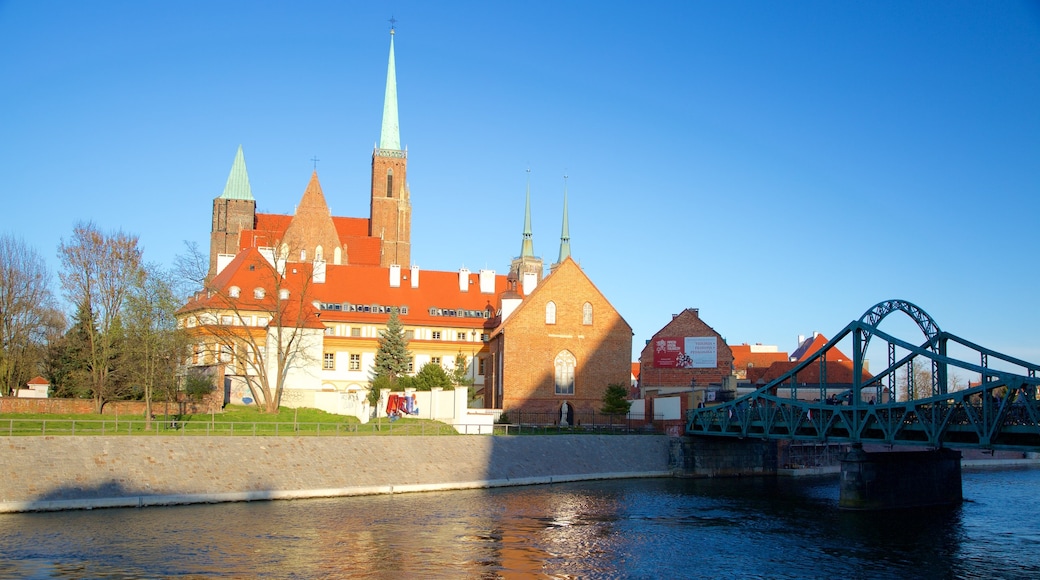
(900, 405)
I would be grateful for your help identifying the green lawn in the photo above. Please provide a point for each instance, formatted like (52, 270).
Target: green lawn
(235, 420)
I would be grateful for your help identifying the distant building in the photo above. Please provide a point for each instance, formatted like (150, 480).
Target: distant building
(335, 280)
(685, 355)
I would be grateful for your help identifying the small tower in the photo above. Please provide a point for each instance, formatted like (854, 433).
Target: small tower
(233, 211)
(565, 236)
(391, 209)
(527, 269)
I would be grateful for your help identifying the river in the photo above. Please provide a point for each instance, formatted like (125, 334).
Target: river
(643, 528)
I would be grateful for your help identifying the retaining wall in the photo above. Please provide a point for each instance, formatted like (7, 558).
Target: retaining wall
(56, 473)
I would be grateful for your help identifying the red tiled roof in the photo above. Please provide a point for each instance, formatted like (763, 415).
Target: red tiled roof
(362, 249)
(635, 370)
(38, 380)
(358, 285)
(837, 372)
(810, 346)
(744, 358)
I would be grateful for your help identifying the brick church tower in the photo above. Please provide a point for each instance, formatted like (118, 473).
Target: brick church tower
(391, 211)
(233, 212)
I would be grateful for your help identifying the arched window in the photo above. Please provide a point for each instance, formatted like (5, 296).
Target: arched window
(337, 256)
(258, 293)
(233, 291)
(303, 255)
(550, 313)
(390, 182)
(586, 313)
(318, 254)
(564, 373)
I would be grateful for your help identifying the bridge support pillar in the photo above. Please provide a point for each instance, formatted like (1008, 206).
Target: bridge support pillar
(899, 479)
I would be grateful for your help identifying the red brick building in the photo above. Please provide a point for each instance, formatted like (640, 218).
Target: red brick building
(685, 353)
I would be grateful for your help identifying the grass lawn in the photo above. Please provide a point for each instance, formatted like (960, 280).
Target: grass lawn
(235, 420)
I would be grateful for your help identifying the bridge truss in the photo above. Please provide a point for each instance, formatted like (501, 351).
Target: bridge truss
(1000, 412)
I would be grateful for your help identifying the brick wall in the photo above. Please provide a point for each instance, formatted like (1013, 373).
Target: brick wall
(530, 346)
(687, 323)
(212, 403)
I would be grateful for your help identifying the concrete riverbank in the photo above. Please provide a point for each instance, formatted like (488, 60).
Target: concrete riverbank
(60, 473)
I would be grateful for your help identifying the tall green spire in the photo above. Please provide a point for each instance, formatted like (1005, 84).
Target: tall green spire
(390, 136)
(237, 186)
(527, 249)
(565, 236)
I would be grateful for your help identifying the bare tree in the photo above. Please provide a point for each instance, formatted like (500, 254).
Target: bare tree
(27, 312)
(265, 332)
(156, 347)
(100, 270)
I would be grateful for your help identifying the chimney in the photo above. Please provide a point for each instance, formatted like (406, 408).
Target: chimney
(415, 276)
(395, 275)
(463, 280)
(487, 281)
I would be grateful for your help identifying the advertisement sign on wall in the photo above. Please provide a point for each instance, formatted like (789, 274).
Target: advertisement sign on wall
(690, 352)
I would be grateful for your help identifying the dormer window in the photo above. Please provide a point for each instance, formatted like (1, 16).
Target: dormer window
(234, 291)
(259, 293)
(283, 294)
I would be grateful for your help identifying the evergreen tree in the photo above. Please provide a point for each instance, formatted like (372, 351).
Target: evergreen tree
(66, 362)
(615, 400)
(429, 376)
(392, 356)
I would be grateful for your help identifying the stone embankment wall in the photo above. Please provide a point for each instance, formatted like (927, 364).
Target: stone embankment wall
(55, 473)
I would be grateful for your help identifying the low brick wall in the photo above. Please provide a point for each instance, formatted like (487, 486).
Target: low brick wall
(211, 403)
(53, 473)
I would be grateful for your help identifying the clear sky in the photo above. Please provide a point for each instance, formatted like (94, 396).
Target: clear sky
(782, 166)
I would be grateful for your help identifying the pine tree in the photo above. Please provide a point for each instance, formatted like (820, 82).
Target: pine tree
(614, 400)
(392, 357)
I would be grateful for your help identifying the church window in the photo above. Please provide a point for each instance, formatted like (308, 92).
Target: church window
(329, 361)
(550, 313)
(586, 313)
(337, 256)
(564, 373)
(389, 182)
(303, 255)
(318, 254)
(259, 293)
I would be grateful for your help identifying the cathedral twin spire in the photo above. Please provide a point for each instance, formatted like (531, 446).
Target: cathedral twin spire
(390, 136)
(527, 245)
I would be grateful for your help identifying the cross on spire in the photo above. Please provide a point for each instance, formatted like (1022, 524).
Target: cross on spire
(315, 160)
(392, 21)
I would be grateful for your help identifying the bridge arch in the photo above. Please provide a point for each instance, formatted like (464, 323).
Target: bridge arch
(873, 317)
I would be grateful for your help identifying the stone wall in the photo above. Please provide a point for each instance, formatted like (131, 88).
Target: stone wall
(54, 473)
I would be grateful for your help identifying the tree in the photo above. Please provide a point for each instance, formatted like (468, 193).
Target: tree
(156, 347)
(460, 377)
(66, 360)
(392, 356)
(429, 376)
(263, 332)
(27, 313)
(100, 270)
(615, 400)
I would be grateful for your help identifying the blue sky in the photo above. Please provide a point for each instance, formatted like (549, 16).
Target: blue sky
(782, 166)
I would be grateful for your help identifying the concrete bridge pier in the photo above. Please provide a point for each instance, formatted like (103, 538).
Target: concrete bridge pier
(899, 479)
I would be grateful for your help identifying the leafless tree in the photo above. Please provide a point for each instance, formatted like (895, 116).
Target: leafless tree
(100, 270)
(28, 315)
(262, 336)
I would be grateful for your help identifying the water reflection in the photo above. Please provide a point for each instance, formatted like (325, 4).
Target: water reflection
(775, 528)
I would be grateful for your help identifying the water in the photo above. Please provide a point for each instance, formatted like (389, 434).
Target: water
(734, 528)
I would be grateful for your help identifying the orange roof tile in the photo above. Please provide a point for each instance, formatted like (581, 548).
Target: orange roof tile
(744, 358)
(810, 346)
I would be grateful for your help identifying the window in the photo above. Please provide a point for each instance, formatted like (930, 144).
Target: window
(303, 255)
(233, 291)
(225, 353)
(550, 313)
(261, 321)
(355, 362)
(460, 336)
(389, 182)
(319, 253)
(355, 331)
(196, 354)
(409, 334)
(436, 360)
(564, 373)
(586, 313)
(480, 366)
(436, 335)
(330, 331)
(258, 293)
(226, 319)
(329, 362)
(411, 364)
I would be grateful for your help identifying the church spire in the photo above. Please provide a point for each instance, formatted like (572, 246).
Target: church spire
(237, 186)
(390, 136)
(565, 236)
(527, 248)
